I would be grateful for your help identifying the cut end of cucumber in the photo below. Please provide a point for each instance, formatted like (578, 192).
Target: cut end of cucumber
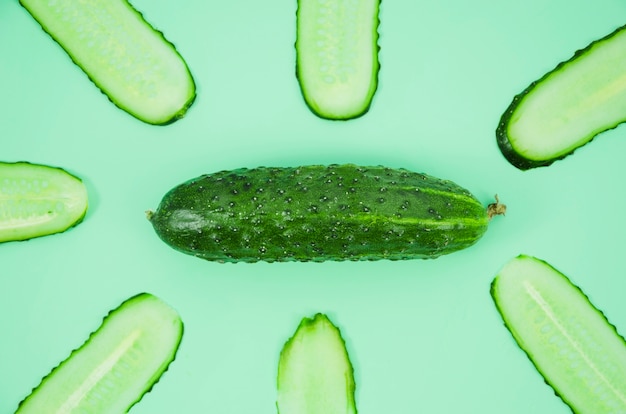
(337, 56)
(515, 155)
(116, 366)
(315, 375)
(38, 200)
(568, 107)
(570, 342)
(173, 113)
(523, 152)
(132, 63)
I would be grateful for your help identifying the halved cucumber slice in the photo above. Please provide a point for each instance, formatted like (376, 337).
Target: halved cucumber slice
(570, 342)
(38, 200)
(131, 62)
(315, 375)
(568, 106)
(337, 56)
(118, 364)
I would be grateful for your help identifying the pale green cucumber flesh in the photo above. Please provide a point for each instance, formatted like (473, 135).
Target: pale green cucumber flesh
(570, 342)
(318, 213)
(38, 200)
(116, 366)
(315, 375)
(337, 55)
(568, 106)
(131, 62)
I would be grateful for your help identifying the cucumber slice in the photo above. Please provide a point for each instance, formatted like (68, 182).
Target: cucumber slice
(38, 200)
(131, 62)
(568, 106)
(570, 342)
(315, 375)
(337, 56)
(118, 364)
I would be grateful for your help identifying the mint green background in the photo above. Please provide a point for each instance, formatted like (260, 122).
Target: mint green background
(424, 336)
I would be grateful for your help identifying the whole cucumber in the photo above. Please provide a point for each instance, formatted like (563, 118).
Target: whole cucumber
(318, 213)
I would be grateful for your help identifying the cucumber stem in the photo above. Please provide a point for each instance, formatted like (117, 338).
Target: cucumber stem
(496, 209)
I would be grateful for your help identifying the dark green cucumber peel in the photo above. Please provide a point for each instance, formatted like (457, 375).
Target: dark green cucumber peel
(567, 107)
(133, 64)
(118, 364)
(337, 62)
(38, 200)
(571, 343)
(317, 213)
(315, 375)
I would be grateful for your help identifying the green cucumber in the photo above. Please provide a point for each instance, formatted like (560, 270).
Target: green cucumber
(317, 213)
(116, 366)
(38, 200)
(131, 62)
(570, 342)
(567, 107)
(315, 375)
(337, 56)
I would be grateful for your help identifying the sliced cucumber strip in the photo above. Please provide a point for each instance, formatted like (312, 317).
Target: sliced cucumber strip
(568, 106)
(570, 342)
(315, 375)
(337, 56)
(132, 63)
(38, 200)
(118, 364)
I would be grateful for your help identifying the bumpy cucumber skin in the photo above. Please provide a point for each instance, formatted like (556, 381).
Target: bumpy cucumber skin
(331, 115)
(179, 114)
(318, 213)
(520, 340)
(78, 219)
(516, 158)
(157, 375)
